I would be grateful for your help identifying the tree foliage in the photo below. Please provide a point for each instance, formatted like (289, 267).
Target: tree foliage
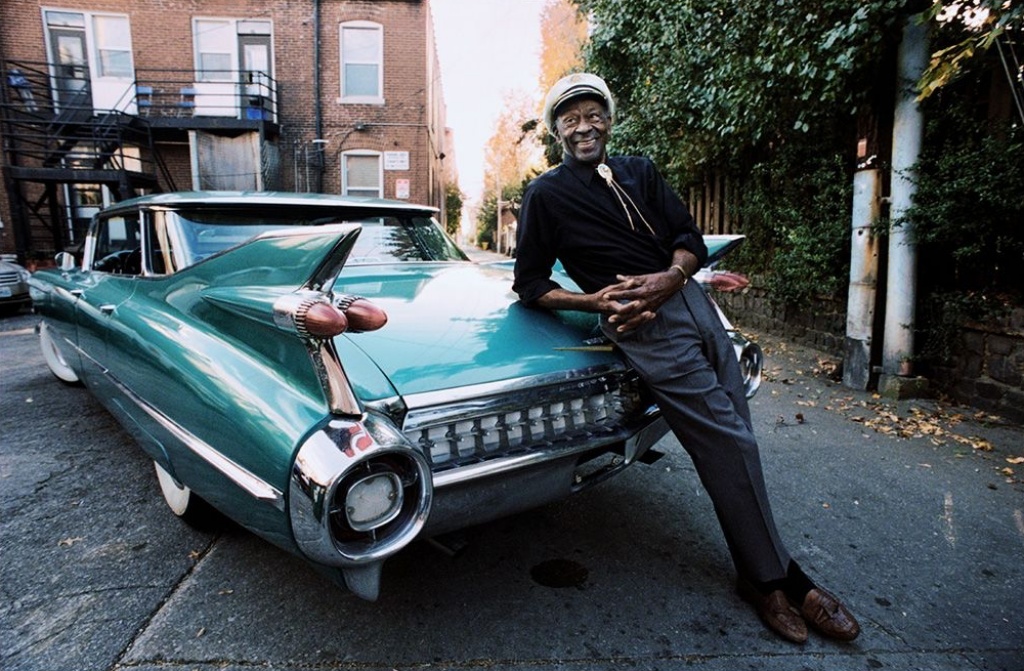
(969, 29)
(511, 156)
(968, 209)
(453, 202)
(563, 33)
(705, 82)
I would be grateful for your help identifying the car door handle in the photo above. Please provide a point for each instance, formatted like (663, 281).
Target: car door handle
(107, 309)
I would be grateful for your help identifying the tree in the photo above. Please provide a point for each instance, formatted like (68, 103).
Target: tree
(563, 32)
(967, 30)
(453, 201)
(704, 83)
(510, 157)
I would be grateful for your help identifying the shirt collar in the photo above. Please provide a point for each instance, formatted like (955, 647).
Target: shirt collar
(584, 171)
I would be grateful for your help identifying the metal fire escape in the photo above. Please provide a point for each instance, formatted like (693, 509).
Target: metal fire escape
(54, 139)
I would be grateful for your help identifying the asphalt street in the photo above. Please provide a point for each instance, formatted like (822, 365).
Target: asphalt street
(913, 512)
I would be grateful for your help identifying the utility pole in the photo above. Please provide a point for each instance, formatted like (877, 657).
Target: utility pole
(497, 224)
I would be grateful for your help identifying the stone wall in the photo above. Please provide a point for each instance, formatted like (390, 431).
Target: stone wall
(986, 371)
(821, 324)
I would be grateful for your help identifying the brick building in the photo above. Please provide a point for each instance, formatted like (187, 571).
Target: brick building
(105, 99)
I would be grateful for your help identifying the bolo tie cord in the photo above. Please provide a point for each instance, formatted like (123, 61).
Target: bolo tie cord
(606, 173)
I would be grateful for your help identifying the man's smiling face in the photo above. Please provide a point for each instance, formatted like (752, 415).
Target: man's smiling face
(583, 127)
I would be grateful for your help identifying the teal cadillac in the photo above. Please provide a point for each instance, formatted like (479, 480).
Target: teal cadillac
(334, 374)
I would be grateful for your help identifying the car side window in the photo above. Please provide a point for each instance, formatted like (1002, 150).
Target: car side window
(118, 246)
(160, 249)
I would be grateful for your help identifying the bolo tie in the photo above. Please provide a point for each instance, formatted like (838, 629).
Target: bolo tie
(606, 173)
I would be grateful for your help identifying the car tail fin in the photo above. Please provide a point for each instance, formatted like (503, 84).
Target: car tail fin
(720, 245)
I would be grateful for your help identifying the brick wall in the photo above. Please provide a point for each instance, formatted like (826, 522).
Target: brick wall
(411, 119)
(987, 370)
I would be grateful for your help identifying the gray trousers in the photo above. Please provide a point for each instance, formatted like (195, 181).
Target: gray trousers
(687, 359)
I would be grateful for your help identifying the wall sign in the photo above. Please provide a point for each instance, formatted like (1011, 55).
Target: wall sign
(396, 160)
(402, 189)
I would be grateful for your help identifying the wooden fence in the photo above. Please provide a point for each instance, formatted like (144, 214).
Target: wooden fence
(713, 205)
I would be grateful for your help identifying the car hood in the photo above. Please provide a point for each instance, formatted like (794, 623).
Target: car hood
(457, 324)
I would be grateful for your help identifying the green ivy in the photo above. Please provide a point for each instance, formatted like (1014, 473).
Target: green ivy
(702, 83)
(968, 212)
(796, 214)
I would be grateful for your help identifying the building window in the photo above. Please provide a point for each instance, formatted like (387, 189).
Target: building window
(362, 62)
(215, 49)
(362, 174)
(113, 46)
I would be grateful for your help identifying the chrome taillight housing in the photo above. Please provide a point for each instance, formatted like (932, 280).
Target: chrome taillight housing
(358, 493)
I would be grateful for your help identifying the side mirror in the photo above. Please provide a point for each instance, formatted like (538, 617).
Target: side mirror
(65, 261)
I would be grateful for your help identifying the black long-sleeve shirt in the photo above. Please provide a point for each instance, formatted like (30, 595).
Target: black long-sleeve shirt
(571, 214)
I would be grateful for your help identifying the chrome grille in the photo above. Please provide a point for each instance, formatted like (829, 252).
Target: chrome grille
(479, 429)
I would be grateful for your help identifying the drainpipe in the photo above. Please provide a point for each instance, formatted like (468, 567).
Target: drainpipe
(317, 103)
(901, 281)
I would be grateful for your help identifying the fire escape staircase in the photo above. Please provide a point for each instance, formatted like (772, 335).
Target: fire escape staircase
(53, 138)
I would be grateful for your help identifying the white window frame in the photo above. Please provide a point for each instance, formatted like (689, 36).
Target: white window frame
(100, 49)
(379, 62)
(107, 91)
(380, 173)
(230, 49)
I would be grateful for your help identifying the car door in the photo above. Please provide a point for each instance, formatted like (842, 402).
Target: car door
(109, 280)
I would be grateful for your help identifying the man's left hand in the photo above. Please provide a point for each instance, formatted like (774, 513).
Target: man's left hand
(643, 295)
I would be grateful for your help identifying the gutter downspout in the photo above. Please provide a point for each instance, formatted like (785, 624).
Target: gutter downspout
(317, 101)
(901, 284)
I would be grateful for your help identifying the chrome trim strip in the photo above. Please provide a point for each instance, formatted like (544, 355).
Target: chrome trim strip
(635, 445)
(473, 393)
(341, 397)
(247, 480)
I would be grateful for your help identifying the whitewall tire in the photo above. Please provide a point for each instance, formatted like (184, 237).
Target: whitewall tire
(54, 358)
(183, 502)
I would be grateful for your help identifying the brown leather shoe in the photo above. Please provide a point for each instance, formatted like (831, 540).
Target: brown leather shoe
(777, 613)
(829, 616)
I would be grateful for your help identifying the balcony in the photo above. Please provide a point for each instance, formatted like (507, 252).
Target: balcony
(169, 100)
(212, 100)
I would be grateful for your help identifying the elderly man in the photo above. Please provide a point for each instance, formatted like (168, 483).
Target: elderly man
(627, 240)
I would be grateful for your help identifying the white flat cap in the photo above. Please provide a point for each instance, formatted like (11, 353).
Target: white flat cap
(574, 86)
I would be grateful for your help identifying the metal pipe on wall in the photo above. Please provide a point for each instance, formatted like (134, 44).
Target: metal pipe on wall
(860, 304)
(908, 131)
(317, 100)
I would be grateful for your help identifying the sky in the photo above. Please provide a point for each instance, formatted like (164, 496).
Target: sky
(486, 48)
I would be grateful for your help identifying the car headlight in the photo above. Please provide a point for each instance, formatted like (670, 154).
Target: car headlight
(751, 364)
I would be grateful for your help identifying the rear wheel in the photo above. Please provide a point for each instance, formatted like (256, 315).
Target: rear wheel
(54, 357)
(183, 502)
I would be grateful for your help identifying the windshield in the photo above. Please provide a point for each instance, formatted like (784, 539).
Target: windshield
(383, 239)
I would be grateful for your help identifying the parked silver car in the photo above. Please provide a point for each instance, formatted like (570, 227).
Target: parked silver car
(13, 286)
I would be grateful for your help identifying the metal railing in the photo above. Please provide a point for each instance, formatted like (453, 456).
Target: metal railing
(49, 122)
(40, 90)
(226, 94)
